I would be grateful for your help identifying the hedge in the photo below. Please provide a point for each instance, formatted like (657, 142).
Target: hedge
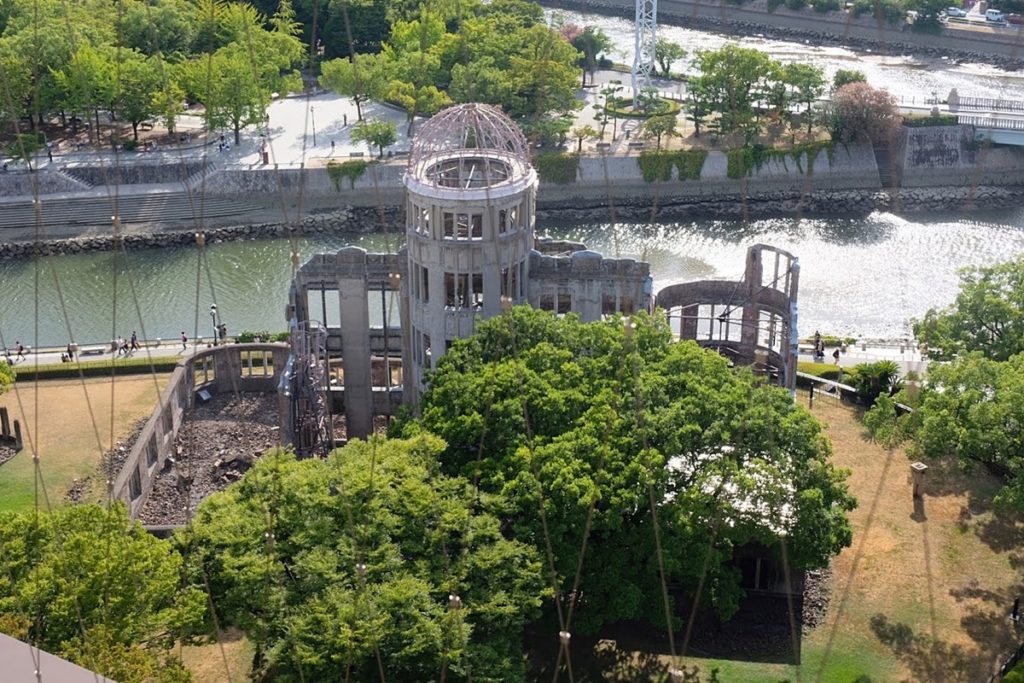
(555, 167)
(929, 121)
(351, 170)
(97, 368)
(249, 336)
(667, 107)
(658, 164)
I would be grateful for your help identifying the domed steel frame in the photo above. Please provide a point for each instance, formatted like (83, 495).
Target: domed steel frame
(469, 146)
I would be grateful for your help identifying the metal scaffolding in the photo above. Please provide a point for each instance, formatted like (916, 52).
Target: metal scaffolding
(643, 58)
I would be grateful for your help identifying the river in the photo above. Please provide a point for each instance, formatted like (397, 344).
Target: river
(864, 277)
(909, 77)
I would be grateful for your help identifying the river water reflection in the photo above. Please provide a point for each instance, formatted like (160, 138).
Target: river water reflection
(863, 276)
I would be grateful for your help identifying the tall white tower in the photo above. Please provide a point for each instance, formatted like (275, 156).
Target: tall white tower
(469, 226)
(643, 57)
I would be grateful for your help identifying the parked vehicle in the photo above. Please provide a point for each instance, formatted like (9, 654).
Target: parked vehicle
(995, 16)
(956, 12)
(1015, 19)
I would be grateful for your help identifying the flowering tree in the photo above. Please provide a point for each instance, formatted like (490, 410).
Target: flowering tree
(860, 112)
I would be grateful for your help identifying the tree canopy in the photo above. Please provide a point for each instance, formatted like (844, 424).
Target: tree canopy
(860, 112)
(587, 427)
(372, 555)
(987, 315)
(86, 584)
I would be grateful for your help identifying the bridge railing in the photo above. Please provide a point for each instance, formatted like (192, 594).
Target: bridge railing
(991, 122)
(989, 104)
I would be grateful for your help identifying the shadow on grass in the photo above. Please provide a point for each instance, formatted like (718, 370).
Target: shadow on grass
(929, 660)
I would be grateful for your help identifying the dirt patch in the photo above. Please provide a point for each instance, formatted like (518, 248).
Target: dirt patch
(217, 444)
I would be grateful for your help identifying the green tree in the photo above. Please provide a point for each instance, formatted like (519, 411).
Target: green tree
(329, 564)
(582, 133)
(970, 409)
(699, 102)
(90, 585)
(359, 78)
(659, 126)
(844, 76)
(808, 83)
(586, 426)
(987, 315)
(137, 89)
(666, 53)
(591, 43)
(375, 133)
(731, 77)
(872, 380)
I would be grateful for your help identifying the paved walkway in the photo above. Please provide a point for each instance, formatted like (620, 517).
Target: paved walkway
(157, 348)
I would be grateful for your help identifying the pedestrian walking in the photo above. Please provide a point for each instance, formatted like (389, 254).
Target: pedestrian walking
(222, 330)
(19, 350)
(332, 146)
(71, 351)
(135, 341)
(184, 341)
(835, 355)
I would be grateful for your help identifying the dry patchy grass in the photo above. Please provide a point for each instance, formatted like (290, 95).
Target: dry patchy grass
(69, 433)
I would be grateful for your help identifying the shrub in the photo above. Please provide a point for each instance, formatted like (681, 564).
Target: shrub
(555, 167)
(926, 121)
(351, 170)
(98, 368)
(624, 109)
(824, 6)
(875, 379)
(744, 160)
(658, 165)
(250, 336)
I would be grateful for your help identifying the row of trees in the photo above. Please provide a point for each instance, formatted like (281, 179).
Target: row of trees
(501, 53)
(558, 468)
(139, 60)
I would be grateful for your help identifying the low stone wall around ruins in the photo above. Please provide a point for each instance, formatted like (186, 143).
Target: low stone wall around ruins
(218, 370)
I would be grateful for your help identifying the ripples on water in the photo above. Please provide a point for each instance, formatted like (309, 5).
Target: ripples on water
(909, 76)
(862, 277)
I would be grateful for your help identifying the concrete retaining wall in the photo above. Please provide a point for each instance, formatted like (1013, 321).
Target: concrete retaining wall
(133, 172)
(381, 183)
(947, 155)
(24, 184)
(219, 370)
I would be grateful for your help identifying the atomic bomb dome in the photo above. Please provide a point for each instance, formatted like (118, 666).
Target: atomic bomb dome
(469, 147)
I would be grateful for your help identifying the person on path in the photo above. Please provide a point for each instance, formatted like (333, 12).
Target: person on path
(19, 349)
(71, 351)
(184, 341)
(135, 341)
(835, 355)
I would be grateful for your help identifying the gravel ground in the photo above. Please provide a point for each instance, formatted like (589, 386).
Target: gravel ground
(113, 461)
(215, 447)
(6, 454)
(817, 593)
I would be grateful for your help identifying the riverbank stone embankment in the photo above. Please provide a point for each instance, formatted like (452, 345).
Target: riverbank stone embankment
(723, 206)
(345, 220)
(830, 29)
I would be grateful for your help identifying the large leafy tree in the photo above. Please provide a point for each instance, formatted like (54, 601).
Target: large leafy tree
(369, 558)
(808, 83)
(733, 76)
(588, 429)
(666, 53)
(359, 78)
(591, 43)
(987, 315)
(972, 409)
(85, 583)
(375, 133)
(860, 112)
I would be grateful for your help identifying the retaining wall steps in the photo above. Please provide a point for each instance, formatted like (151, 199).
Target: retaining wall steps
(163, 207)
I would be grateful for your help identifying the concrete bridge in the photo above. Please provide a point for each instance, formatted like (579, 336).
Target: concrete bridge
(1001, 128)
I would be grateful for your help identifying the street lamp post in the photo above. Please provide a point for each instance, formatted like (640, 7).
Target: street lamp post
(313, 118)
(213, 321)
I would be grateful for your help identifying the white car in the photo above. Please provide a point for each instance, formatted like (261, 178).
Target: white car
(955, 12)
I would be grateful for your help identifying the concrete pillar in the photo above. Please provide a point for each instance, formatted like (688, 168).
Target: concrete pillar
(917, 472)
(752, 282)
(354, 315)
(5, 424)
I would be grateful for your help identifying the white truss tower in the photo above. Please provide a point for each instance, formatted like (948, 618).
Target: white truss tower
(643, 59)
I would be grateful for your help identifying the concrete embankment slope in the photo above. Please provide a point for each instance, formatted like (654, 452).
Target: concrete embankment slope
(1001, 45)
(929, 169)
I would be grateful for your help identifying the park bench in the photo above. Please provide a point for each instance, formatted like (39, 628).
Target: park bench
(146, 125)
